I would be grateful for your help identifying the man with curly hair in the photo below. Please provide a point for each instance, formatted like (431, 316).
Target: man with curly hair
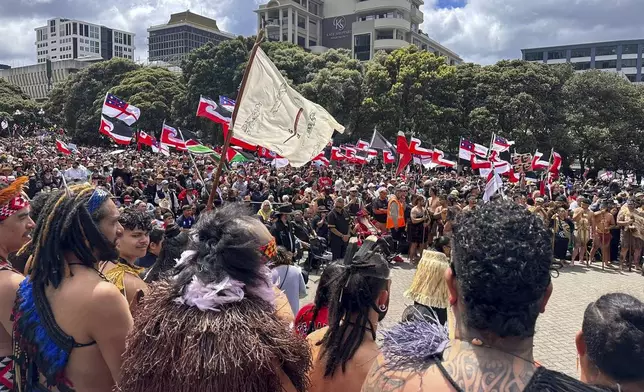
(499, 282)
(131, 246)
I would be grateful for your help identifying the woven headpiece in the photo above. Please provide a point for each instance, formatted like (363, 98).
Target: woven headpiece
(11, 198)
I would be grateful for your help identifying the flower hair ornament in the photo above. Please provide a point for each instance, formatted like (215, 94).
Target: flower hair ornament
(214, 295)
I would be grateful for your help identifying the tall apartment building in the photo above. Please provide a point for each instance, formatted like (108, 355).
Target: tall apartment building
(184, 32)
(624, 57)
(363, 26)
(66, 39)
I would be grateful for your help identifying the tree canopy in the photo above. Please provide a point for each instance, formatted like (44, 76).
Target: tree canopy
(11, 99)
(594, 117)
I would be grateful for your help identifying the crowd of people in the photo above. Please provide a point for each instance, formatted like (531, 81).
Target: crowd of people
(113, 274)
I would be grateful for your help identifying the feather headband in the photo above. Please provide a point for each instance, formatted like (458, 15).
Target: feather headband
(12, 199)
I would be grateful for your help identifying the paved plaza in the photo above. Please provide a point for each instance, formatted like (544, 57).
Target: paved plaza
(555, 339)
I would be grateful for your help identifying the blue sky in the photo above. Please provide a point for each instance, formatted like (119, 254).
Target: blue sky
(481, 31)
(450, 3)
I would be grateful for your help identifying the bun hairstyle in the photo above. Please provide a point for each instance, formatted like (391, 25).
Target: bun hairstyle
(613, 330)
(212, 324)
(225, 244)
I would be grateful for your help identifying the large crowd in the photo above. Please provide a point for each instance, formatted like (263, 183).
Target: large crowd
(114, 274)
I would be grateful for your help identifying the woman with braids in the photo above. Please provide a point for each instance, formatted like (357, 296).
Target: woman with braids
(212, 325)
(498, 284)
(70, 323)
(315, 316)
(611, 343)
(344, 351)
(15, 230)
(132, 245)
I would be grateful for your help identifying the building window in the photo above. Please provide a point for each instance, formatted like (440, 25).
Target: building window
(312, 42)
(581, 66)
(606, 51)
(629, 63)
(301, 41)
(385, 34)
(607, 64)
(557, 55)
(629, 49)
(580, 53)
(632, 78)
(75, 28)
(534, 56)
(301, 21)
(313, 8)
(362, 47)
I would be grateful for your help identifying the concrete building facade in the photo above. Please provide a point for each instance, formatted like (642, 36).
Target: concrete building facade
(624, 57)
(185, 31)
(68, 39)
(363, 26)
(33, 80)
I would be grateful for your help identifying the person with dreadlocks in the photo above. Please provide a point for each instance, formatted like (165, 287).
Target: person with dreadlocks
(132, 245)
(498, 283)
(212, 325)
(15, 230)
(344, 351)
(69, 322)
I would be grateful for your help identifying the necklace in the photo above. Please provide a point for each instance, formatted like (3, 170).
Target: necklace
(94, 268)
(476, 342)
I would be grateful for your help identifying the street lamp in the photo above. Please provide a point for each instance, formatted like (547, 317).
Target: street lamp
(17, 113)
(41, 112)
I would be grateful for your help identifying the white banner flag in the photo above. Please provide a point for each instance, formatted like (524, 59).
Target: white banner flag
(273, 115)
(4, 124)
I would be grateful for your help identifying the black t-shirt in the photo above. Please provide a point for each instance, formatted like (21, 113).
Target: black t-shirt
(124, 174)
(339, 220)
(380, 204)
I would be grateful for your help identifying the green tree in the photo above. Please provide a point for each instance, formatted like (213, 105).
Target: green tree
(605, 118)
(337, 86)
(75, 104)
(11, 99)
(404, 91)
(79, 100)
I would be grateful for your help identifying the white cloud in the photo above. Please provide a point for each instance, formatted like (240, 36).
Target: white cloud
(17, 22)
(482, 31)
(485, 31)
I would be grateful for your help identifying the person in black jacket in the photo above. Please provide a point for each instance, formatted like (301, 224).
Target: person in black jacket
(282, 230)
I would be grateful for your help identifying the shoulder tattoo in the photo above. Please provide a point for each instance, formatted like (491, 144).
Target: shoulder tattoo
(381, 379)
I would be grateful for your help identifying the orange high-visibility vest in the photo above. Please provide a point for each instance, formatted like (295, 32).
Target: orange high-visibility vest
(401, 214)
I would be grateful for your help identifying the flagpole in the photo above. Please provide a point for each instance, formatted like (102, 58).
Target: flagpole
(489, 152)
(220, 166)
(192, 159)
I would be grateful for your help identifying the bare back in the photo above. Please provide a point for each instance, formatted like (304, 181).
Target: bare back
(79, 309)
(352, 378)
